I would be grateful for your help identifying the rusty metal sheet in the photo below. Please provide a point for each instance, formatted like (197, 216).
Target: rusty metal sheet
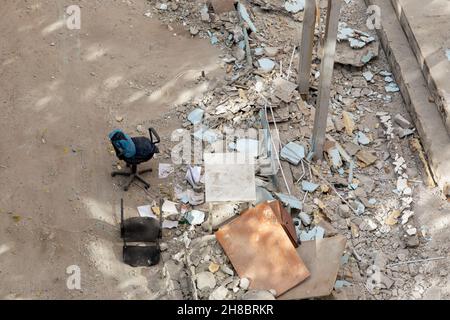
(260, 250)
(286, 220)
(323, 259)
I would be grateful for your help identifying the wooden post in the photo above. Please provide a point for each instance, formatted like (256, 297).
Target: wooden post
(306, 46)
(326, 75)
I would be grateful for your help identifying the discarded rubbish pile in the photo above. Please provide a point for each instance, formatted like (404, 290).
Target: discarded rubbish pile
(345, 212)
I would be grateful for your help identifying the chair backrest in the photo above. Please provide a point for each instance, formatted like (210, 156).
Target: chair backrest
(123, 144)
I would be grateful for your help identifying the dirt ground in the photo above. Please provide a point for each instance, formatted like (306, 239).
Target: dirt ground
(62, 91)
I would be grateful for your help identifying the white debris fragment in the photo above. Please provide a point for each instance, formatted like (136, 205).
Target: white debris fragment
(362, 138)
(162, 6)
(294, 6)
(266, 64)
(368, 76)
(244, 283)
(407, 214)
(402, 122)
(411, 231)
(392, 87)
(195, 217)
(305, 218)
(402, 184)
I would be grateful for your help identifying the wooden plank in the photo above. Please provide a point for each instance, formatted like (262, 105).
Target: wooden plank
(326, 75)
(306, 46)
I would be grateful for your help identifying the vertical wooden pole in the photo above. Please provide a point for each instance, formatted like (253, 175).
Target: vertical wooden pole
(306, 46)
(326, 75)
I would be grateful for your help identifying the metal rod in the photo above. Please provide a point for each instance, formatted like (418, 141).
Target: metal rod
(326, 75)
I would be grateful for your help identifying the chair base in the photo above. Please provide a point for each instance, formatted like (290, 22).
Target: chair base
(134, 175)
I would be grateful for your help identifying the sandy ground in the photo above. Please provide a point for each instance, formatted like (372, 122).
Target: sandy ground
(61, 91)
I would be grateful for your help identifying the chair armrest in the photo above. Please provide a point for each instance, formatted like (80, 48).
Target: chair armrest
(153, 133)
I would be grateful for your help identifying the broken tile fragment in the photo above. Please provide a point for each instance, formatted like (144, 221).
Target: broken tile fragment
(309, 186)
(293, 153)
(289, 200)
(196, 116)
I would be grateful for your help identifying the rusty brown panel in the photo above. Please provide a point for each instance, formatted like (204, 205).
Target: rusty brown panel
(260, 250)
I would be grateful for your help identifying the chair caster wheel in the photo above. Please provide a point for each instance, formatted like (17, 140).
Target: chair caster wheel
(113, 174)
(126, 189)
(146, 187)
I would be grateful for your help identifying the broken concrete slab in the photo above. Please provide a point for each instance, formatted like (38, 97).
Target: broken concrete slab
(322, 257)
(248, 242)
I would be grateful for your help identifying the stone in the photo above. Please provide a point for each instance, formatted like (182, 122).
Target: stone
(344, 211)
(225, 269)
(205, 280)
(412, 241)
(195, 217)
(305, 218)
(294, 6)
(402, 122)
(194, 30)
(402, 184)
(366, 157)
(392, 218)
(293, 153)
(266, 65)
(392, 87)
(220, 293)
(368, 76)
(244, 283)
(239, 54)
(411, 231)
(433, 293)
(213, 267)
(362, 139)
(271, 51)
(222, 6)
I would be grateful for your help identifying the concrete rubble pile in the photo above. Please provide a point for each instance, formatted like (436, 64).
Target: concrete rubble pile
(363, 189)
